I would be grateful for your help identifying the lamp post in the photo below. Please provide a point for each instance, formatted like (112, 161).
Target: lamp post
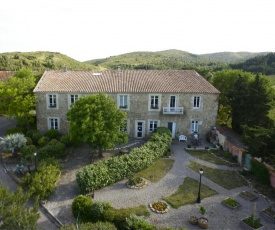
(35, 161)
(199, 193)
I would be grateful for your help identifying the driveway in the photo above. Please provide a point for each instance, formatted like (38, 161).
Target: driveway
(121, 196)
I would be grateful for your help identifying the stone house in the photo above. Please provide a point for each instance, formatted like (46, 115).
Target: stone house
(181, 100)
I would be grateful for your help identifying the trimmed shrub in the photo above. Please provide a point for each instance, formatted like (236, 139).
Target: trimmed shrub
(260, 172)
(30, 132)
(82, 207)
(111, 170)
(52, 134)
(164, 130)
(36, 136)
(65, 139)
(29, 141)
(27, 150)
(14, 130)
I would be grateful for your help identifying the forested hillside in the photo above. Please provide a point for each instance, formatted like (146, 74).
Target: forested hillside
(261, 64)
(173, 59)
(39, 61)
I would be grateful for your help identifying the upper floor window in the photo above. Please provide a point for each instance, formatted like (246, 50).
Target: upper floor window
(154, 102)
(53, 123)
(52, 101)
(153, 125)
(195, 126)
(123, 101)
(173, 101)
(73, 98)
(196, 102)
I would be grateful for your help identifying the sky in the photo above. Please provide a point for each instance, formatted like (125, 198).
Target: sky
(92, 29)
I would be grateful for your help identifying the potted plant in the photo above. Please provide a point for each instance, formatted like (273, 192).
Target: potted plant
(231, 203)
(136, 182)
(268, 214)
(159, 207)
(248, 195)
(202, 221)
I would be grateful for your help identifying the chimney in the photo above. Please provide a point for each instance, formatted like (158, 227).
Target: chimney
(65, 69)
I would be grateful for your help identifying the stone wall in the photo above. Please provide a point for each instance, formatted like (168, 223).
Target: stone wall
(139, 109)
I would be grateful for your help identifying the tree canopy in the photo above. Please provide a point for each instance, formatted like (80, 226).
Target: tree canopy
(14, 211)
(96, 121)
(17, 98)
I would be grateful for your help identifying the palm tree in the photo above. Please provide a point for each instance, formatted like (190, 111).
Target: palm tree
(13, 143)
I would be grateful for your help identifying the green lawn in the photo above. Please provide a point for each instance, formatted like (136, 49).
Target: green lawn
(158, 170)
(187, 193)
(225, 178)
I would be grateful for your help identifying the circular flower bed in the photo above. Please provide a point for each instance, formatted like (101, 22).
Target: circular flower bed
(136, 182)
(159, 207)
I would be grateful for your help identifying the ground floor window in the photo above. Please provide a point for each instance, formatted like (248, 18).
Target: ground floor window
(195, 126)
(153, 125)
(53, 123)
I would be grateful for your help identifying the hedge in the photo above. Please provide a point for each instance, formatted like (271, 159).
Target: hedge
(109, 171)
(260, 172)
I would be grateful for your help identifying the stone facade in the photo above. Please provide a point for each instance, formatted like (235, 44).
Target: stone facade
(139, 112)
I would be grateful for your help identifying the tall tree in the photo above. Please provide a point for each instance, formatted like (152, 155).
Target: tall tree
(17, 98)
(14, 211)
(239, 102)
(261, 141)
(260, 98)
(95, 120)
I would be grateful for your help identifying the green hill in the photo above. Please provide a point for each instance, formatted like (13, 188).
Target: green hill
(261, 64)
(173, 59)
(40, 61)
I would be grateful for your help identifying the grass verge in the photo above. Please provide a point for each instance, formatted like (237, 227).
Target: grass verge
(187, 193)
(206, 156)
(141, 210)
(157, 171)
(225, 178)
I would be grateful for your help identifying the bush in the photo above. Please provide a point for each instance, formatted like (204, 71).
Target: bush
(29, 141)
(36, 136)
(260, 172)
(52, 134)
(43, 141)
(120, 220)
(136, 223)
(82, 207)
(65, 139)
(29, 133)
(53, 149)
(14, 130)
(102, 211)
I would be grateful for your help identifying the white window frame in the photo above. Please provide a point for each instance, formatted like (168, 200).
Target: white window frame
(51, 97)
(154, 106)
(196, 102)
(153, 123)
(195, 126)
(75, 97)
(175, 100)
(125, 101)
(124, 129)
(55, 121)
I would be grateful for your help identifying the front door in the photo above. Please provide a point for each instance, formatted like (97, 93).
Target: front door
(172, 128)
(139, 129)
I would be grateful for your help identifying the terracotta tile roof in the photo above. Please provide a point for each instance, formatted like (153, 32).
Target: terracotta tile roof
(126, 81)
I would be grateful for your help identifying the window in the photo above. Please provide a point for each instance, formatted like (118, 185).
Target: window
(123, 103)
(153, 125)
(123, 127)
(73, 98)
(154, 102)
(53, 123)
(52, 102)
(173, 101)
(196, 102)
(195, 126)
